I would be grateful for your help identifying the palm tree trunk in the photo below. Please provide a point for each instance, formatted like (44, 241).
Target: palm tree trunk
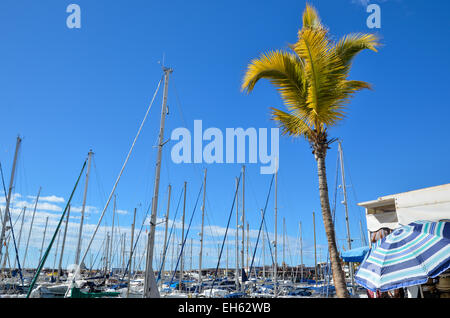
(338, 273)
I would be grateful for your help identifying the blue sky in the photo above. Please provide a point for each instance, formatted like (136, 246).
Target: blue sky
(66, 91)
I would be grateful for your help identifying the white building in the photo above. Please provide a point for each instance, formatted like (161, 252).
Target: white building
(395, 210)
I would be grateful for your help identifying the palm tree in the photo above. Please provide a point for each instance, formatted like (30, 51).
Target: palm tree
(312, 81)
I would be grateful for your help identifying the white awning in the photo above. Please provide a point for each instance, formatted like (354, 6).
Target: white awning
(393, 211)
(429, 204)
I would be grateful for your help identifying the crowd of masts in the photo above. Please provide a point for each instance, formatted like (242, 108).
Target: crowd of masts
(150, 286)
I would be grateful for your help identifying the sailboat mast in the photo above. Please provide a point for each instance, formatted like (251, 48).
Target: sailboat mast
(315, 253)
(107, 252)
(110, 264)
(63, 244)
(237, 237)
(275, 241)
(131, 252)
(243, 218)
(201, 233)
(226, 271)
(363, 237)
(182, 236)
(190, 267)
(150, 289)
(344, 189)
(43, 239)
(77, 256)
(284, 244)
(20, 233)
(8, 199)
(248, 235)
(301, 251)
(165, 231)
(263, 247)
(56, 253)
(31, 227)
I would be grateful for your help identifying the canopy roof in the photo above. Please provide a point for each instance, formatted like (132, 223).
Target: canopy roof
(393, 211)
(355, 255)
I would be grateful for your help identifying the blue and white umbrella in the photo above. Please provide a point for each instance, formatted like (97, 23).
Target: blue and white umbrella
(408, 256)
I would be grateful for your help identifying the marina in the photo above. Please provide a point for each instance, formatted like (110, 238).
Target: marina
(174, 176)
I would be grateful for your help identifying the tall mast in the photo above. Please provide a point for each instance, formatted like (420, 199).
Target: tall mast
(123, 251)
(31, 227)
(263, 247)
(226, 271)
(301, 252)
(275, 242)
(20, 233)
(8, 199)
(190, 267)
(201, 233)
(63, 244)
(131, 252)
(110, 266)
(182, 236)
(77, 257)
(315, 254)
(363, 237)
(43, 239)
(237, 236)
(107, 252)
(165, 231)
(243, 218)
(248, 235)
(344, 189)
(284, 243)
(150, 288)
(56, 253)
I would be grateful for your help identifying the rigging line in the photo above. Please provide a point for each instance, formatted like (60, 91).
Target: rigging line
(354, 192)
(288, 247)
(215, 238)
(268, 241)
(101, 190)
(359, 208)
(260, 227)
(183, 239)
(250, 185)
(226, 232)
(44, 258)
(137, 240)
(98, 253)
(170, 235)
(114, 187)
(198, 173)
(12, 228)
(178, 103)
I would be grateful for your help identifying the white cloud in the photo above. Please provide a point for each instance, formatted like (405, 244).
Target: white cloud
(123, 212)
(40, 206)
(87, 209)
(51, 198)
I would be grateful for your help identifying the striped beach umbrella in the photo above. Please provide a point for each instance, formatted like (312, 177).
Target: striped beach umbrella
(408, 256)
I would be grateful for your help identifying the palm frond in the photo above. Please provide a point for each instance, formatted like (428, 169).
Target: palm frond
(324, 71)
(312, 81)
(292, 124)
(285, 71)
(311, 18)
(350, 45)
